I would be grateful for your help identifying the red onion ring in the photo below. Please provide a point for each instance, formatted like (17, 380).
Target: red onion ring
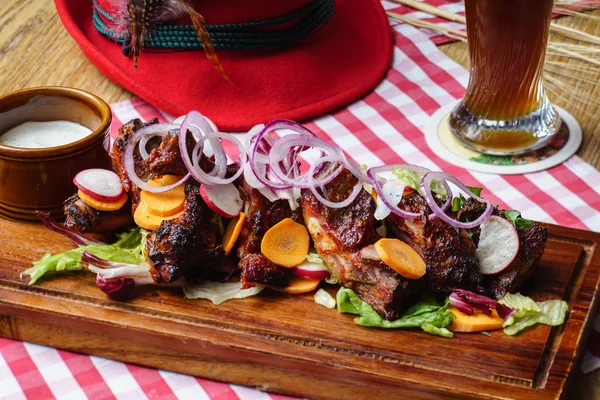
(378, 186)
(291, 146)
(313, 189)
(426, 187)
(207, 178)
(258, 149)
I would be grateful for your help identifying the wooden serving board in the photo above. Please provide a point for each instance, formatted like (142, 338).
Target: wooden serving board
(289, 344)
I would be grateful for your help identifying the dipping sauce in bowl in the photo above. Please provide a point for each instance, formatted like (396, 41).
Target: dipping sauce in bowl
(48, 135)
(42, 135)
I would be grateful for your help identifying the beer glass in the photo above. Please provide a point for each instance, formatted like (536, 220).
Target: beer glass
(505, 109)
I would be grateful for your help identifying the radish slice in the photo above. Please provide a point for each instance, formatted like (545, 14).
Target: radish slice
(222, 199)
(310, 270)
(100, 184)
(369, 253)
(498, 245)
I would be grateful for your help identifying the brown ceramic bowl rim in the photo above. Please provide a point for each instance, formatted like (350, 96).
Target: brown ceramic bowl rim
(91, 99)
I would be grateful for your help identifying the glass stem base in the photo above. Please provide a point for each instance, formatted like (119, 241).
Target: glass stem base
(501, 137)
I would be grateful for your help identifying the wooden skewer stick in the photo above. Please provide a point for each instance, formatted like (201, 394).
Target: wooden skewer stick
(450, 16)
(433, 10)
(452, 33)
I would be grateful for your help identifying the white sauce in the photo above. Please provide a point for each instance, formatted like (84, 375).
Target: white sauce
(40, 135)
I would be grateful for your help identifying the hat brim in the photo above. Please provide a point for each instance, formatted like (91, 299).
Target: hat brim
(336, 66)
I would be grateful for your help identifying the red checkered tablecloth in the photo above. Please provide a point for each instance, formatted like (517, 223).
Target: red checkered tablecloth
(385, 127)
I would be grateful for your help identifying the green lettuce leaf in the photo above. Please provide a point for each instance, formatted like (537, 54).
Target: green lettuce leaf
(519, 302)
(128, 249)
(514, 217)
(427, 314)
(219, 292)
(314, 257)
(413, 180)
(476, 190)
(529, 313)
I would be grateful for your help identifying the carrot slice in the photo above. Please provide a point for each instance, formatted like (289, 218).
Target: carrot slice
(102, 205)
(299, 285)
(286, 243)
(166, 203)
(401, 258)
(477, 322)
(232, 232)
(145, 219)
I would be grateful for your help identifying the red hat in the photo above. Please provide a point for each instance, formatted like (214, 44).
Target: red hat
(296, 59)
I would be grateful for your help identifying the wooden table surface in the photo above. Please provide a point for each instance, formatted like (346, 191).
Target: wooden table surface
(35, 50)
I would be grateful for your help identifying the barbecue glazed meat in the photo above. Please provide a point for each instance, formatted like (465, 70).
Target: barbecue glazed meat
(532, 241)
(166, 158)
(188, 245)
(448, 253)
(339, 235)
(86, 219)
(261, 215)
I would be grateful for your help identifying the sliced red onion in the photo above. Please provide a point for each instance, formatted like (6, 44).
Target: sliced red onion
(255, 130)
(198, 124)
(311, 184)
(378, 182)
(201, 127)
(291, 146)
(207, 178)
(381, 194)
(426, 188)
(259, 150)
(78, 238)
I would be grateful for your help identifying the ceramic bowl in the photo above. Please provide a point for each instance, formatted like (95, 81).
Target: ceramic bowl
(41, 179)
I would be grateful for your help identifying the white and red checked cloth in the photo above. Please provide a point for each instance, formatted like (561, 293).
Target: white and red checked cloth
(385, 127)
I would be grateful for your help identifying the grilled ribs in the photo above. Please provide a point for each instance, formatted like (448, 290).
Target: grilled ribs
(261, 214)
(187, 245)
(339, 235)
(532, 241)
(448, 253)
(85, 219)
